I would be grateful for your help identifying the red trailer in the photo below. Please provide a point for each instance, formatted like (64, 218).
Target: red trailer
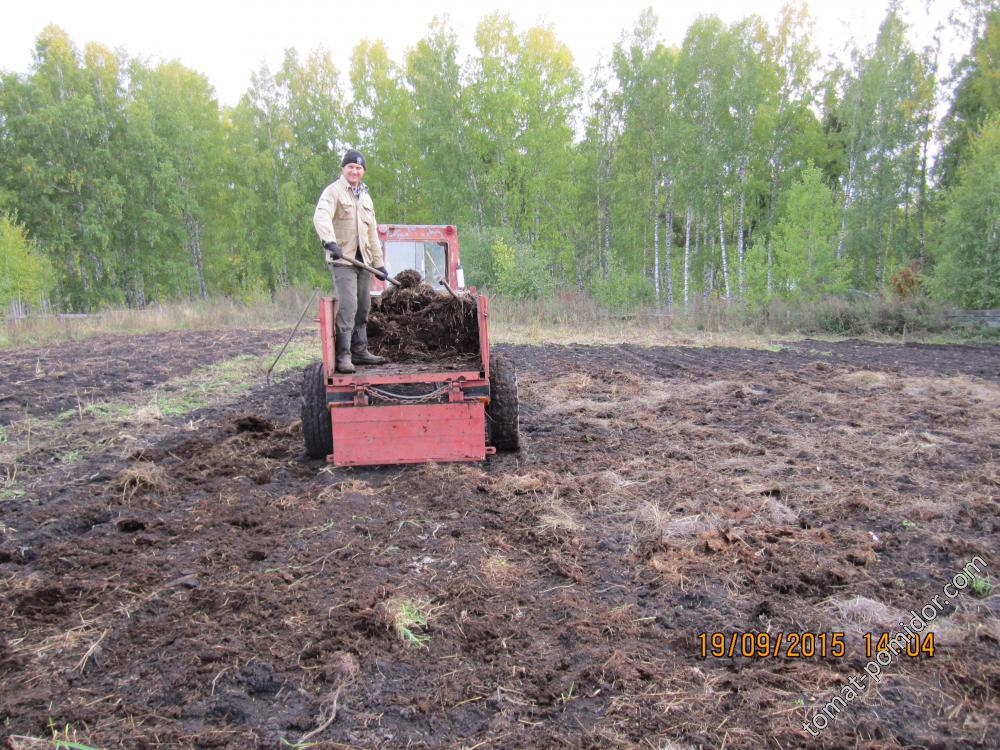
(459, 409)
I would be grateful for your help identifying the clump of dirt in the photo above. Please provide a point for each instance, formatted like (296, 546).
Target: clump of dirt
(416, 323)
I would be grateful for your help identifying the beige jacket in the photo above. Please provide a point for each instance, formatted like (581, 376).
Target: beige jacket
(349, 221)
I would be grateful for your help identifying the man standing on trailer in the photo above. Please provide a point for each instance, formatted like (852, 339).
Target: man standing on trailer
(345, 222)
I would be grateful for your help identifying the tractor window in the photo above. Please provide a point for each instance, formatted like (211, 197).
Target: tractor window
(429, 259)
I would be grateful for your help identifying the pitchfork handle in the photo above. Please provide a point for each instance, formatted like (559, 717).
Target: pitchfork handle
(445, 284)
(373, 271)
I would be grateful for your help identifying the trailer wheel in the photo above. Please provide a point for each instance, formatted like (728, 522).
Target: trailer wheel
(316, 428)
(501, 413)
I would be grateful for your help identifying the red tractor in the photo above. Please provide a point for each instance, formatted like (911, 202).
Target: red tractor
(461, 409)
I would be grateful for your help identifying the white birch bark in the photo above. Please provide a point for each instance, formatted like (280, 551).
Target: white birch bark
(739, 233)
(656, 239)
(687, 258)
(722, 248)
(669, 241)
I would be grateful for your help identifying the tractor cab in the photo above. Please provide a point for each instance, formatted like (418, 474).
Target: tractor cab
(429, 249)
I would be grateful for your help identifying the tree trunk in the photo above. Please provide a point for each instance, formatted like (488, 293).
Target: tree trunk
(848, 198)
(878, 264)
(197, 256)
(922, 200)
(136, 287)
(480, 211)
(606, 255)
(687, 257)
(722, 248)
(668, 227)
(656, 239)
(708, 272)
(772, 211)
(598, 215)
(739, 232)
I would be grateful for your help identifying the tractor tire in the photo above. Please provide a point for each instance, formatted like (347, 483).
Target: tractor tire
(316, 428)
(501, 413)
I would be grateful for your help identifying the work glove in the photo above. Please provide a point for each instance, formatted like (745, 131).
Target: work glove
(384, 272)
(333, 251)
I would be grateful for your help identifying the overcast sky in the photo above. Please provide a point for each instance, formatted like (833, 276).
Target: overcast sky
(227, 40)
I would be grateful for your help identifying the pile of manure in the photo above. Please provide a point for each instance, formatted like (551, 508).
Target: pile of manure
(416, 323)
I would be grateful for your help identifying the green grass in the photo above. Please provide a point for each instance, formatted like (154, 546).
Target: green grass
(981, 587)
(102, 410)
(10, 490)
(65, 738)
(409, 619)
(286, 743)
(10, 486)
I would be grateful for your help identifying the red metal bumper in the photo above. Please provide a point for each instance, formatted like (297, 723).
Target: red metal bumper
(409, 434)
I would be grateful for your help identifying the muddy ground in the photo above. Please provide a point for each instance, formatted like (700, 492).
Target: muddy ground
(45, 380)
(215, 588)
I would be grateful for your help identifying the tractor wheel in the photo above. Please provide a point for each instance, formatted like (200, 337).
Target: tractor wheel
(316, 428)
(501, 413)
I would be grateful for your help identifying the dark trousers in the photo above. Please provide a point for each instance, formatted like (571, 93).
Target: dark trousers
(352, 287)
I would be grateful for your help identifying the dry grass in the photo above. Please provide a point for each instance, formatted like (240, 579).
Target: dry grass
(659, 523)
(348, 487)
(499, 571)
(556, 517)
(142, 475)
(860, 613)
(866, 379)
(283, 310)
(573, 317)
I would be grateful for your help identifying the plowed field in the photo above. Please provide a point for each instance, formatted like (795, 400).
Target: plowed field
(194, 581)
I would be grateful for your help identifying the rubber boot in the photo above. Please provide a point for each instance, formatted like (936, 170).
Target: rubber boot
(359, 348)
(344, 363)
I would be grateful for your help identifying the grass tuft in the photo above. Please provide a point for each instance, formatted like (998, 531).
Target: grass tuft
(409, 618)
(981, 587)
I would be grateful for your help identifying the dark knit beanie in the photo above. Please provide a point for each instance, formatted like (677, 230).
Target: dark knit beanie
(353, 157)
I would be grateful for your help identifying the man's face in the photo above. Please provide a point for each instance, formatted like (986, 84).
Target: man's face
(353, 173)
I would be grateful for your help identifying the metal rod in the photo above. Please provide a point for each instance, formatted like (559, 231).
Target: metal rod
(267, 379)
(373, 271)
(446, 286)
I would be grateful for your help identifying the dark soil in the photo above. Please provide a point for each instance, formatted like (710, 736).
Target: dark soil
(218, 589)
(46, 380)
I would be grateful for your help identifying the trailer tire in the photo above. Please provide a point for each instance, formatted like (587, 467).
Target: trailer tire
(316, 428)
(502, 411)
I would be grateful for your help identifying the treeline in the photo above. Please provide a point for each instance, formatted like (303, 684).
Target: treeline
(735, 166)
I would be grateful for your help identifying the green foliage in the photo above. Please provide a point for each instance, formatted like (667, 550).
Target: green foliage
(519, 271)
(967, 250)
(805, 241)
(976, 98)
(476, 257)
(623, 290)
(693, 165)
(839, 316)
(26, 275)
(884, 115)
